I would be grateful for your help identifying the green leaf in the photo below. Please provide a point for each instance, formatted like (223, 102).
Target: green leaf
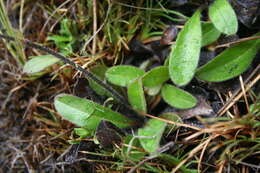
(209, 34)
(150, 135)
(255, 108)
(99, 71)
(74, 109)
(177, 97)
(60, 38)
(66, 39)
(223, 17)
(71, 142)
(185, 56)
(172, 117)
(39, 63)
(129, 151)
(136, 96)
(156, 77)
(82, 132)
(87, 114)
(230, 63)
(153, 91)
(123, 75)
(166, 61)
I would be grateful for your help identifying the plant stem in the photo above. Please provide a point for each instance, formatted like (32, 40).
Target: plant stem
(121, 100)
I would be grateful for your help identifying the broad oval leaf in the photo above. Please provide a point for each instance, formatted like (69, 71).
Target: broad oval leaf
(185, 56)
(223, 17)
(150, 135)
(177, 97)
(39, 63)
(209, 33)
(74, 109)
(136, 96)
(79, 111)
(230, 63)
(123, 75)
(156, 77)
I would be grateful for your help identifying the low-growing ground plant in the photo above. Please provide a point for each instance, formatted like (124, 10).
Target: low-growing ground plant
(123, 121)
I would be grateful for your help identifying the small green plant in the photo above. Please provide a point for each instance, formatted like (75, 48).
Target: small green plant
(65, 41)
(67, 38)
(163, 81)
(123, 22)
(181, 69)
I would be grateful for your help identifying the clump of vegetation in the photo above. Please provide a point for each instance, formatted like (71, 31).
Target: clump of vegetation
(147, 114)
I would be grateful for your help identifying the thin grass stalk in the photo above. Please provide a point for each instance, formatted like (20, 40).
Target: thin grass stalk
(15, 48)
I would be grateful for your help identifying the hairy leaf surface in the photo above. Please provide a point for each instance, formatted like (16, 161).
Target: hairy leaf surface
(184, 56)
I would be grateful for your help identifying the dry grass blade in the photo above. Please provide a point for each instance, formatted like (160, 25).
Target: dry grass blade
(49, 18)
(244, 92)
(193, 152)
(235, 98)
(94, 44)
(89, 75)
(16, 49)
(21, 16)
(160, 150)
(238, 41)
(172, 122)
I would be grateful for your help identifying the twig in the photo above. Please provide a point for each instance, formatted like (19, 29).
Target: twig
(62, 16)
(28, 19)
(247, 164)
(99, 29)
(21, 16)
(47, 21)
(231, 101)
(32, 101)
(238, 41)
(201, 155)
(3, 106)
(118, 97)
(94, 43)
(89, 75)
(193, 152)
(236, 97)
(153, 9)
(243, 91)
(20, 154)
(172, 122)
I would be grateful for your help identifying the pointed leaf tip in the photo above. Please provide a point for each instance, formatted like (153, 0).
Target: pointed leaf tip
(223, 17)
(230, 63)
(184, 56)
